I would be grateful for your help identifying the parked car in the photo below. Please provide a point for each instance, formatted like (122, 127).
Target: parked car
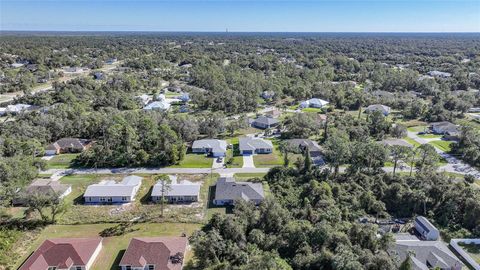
(219, 159)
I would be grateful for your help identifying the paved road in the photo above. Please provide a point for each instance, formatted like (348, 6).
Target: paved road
(454, 165)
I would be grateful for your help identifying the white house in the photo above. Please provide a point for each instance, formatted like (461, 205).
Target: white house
(250, 146)
(426, 229)
(109, 191)
(313, 103)
(182, 192)
(216, 148)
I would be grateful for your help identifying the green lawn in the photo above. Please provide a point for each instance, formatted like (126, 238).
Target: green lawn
(62, 161)
(113, 247)
(192, 160)
(233, 159)
(243, 176)
(314, 110)
(430, 136)
(269, 160)
(412, 141)
(445, 146)
(416, 129)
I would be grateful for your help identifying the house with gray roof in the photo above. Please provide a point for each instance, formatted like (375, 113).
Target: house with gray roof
(182, 192)
(426, 229)
(439, 74)
(44, 187)
(109, 191)
(68, 145)
(213, 147)
(385, 110)
(157, 106)
(300, 145)
(445, 128)
(425, 255)
(264, 122)
(253, 145)
(313, 103)
(227, 191)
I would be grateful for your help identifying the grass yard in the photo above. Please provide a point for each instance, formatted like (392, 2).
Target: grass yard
(233, 159)
(417, 128)
(412, 141)
(430, 136)
(113, 247)
(62, 161)
(312, 110)
(269, 160)
(192, 160)
(445, 146)
(244, 176)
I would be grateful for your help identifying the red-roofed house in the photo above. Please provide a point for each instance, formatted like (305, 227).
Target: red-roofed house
(154, 253)
(64, 254)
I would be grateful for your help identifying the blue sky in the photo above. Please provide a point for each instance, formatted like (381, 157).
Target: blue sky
(242, 15)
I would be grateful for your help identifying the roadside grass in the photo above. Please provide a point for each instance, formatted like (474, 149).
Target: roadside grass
(62, 161)
(412, 141)
(113, 247)
(192, 160)
(445, 146)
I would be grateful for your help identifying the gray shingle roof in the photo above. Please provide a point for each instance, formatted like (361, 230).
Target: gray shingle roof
(378, 107)
(267, 121)
(177, 190)
(312, 146)
(110, 188)
(215, 145)
(434, 253)
(250, 143)
(228, 189)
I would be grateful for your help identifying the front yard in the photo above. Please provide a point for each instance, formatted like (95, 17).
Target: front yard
(233, 158)
(113, 247)
(445, 146)
(63, 161)
(192, 160)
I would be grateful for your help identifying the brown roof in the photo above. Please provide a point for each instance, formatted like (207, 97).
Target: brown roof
(62, 253)
(154, 250)
(70, 143)
(45, 186)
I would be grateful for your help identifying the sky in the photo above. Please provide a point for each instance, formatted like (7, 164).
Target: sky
(242, 15)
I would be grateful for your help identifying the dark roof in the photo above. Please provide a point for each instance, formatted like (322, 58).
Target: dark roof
(62, 253)
(70, 143)
(154, 250)
(312, 146)
(47, 187)
(266, 120)
(228, 189)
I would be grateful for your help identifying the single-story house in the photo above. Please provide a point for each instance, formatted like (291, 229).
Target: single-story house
(445, 128)
(425, 229)
(157, 106)
(274, 113)
(183, 192)
(425, 255)
(185, 97)
(313, 148)
(264, 122)
(68, 145)
(227, 191)
(216, 148)
(42, 187)
(109, 191)
(385, 110)
(64, 254)
(313, 103)
(17, 108)
(158, 253)
(252, 145)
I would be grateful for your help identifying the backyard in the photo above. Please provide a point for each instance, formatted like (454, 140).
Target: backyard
(113, 247)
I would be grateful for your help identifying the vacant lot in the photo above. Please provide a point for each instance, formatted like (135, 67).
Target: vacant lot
(62, 161)
(192, 160)
(113, 247)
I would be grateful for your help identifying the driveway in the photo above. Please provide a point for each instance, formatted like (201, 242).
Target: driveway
(216, 164)
(248, 161)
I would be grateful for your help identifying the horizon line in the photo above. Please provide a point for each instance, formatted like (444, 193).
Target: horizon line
(227, 32)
